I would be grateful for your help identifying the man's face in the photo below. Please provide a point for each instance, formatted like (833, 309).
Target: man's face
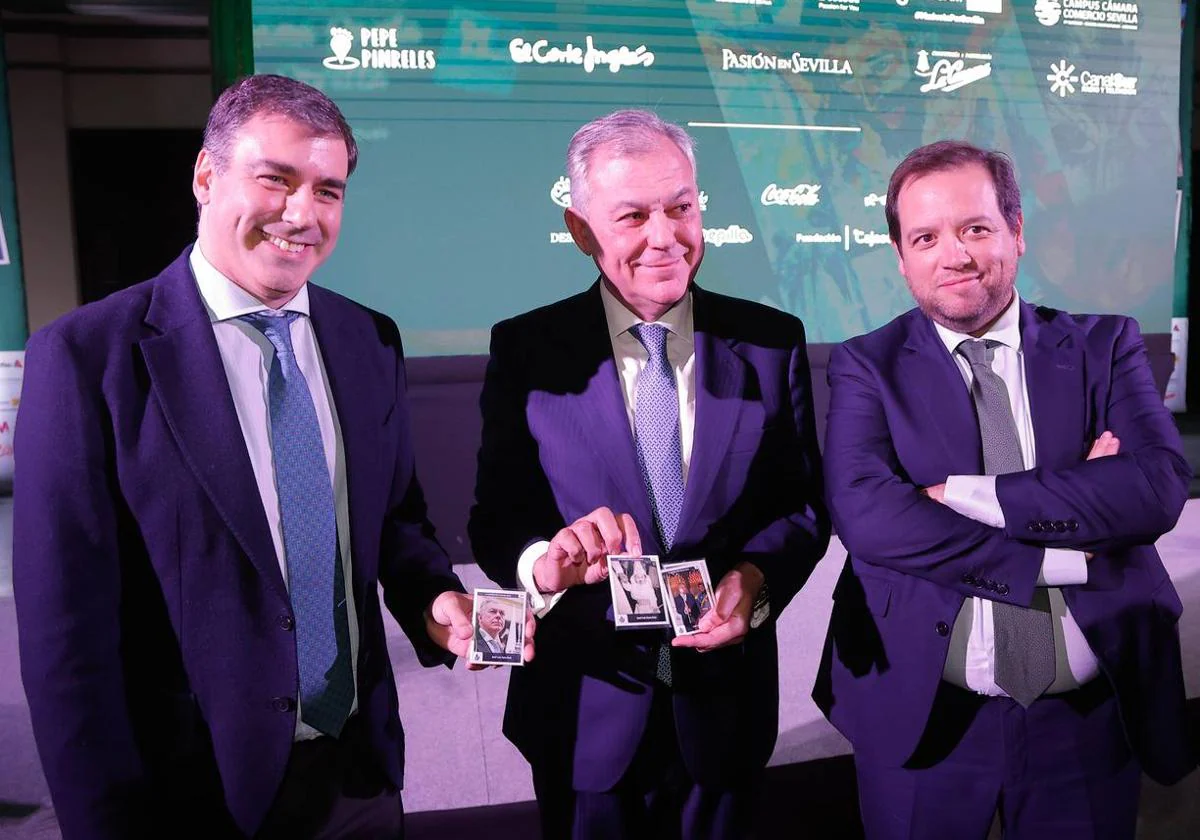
(642, 225)
(956, 251)
(491, 618)
(272, 214)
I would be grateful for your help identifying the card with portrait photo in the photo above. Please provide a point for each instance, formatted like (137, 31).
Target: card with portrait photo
(498, 627)
(637, 594)
(689, 594)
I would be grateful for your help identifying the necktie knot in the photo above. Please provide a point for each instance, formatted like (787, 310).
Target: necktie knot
(978, 352)
(277, 328)
(653, 337)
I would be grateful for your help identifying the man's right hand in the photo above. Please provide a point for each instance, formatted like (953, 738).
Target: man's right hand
(577, 553)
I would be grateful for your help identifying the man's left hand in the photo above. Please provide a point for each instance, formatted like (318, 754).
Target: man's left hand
(729, 620)
(448, 623)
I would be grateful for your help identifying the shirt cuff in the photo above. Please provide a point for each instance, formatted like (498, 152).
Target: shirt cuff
(974, 496)
(1063, 567)
(538, 601)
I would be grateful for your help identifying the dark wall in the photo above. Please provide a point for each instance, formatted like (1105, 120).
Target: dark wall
(444, 397)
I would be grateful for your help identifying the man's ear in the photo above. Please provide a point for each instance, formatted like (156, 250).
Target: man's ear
(581, 232)
(202, 174)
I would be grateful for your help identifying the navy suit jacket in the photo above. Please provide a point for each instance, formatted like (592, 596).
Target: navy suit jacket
(156, 641)
(557, 444)
(900, 419)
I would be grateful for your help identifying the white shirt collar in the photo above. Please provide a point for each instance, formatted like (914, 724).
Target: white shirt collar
(677, 319)
(225, 299)
(1006, 330)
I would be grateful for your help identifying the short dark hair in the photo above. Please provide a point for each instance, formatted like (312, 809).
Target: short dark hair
(953, 154)
(278, 96)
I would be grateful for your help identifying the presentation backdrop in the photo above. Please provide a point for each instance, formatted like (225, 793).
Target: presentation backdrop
(801, 109)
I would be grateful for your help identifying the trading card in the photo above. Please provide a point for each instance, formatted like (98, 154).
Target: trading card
(689, 594)
(637, 593)
(498, 625)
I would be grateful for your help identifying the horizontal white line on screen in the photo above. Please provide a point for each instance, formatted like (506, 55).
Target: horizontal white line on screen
(774, 126)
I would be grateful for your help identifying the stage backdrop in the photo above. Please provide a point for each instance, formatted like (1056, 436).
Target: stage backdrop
(801, 108)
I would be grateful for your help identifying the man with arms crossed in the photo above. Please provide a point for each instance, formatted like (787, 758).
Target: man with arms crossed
(215, 471)
(1004, 634)
(646, 415)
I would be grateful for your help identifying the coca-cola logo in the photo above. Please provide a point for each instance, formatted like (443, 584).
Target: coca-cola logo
(801, 195)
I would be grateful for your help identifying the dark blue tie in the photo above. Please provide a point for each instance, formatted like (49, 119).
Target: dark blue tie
(659, 447)
(310, 544)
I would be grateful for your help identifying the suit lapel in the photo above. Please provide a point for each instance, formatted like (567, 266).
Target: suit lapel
(927, 370)
(187, 377)
(1054, 381)
(600, 412)
(720, 376)
(353, 377)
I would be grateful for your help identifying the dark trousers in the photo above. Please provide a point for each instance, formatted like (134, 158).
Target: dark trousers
(333, 789)
(656, 799)
(1059, 770)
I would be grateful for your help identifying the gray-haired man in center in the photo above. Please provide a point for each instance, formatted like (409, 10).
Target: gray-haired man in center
(646, 415)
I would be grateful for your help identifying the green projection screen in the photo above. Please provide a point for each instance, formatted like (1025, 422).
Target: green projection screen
(801, 109)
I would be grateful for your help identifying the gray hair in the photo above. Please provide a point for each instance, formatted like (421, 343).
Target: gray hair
(628, 133)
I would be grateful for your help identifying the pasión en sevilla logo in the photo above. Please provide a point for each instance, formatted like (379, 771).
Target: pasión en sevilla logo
(380, 49)
(1065, 81)
(1095, 14)
(948, 70)
(795, 64)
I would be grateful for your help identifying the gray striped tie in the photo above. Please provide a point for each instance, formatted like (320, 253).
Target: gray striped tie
(1024, 636)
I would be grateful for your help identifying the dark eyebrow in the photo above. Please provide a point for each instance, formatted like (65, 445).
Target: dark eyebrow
(293, 172)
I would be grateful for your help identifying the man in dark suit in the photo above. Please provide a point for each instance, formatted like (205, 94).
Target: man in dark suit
(215, 471)
(1004, 634)
(645, 414)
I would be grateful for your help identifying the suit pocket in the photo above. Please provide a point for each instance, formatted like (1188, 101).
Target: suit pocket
(878, 595)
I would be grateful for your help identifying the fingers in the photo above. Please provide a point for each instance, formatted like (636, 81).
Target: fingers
(729, 633)
(633, 540)
(1105, 445)
(610, 530)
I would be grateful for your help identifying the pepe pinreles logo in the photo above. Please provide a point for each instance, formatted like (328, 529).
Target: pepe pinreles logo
(380, 48)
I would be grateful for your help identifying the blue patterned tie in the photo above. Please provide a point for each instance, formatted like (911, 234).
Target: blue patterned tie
(306, 509)
(659, 450)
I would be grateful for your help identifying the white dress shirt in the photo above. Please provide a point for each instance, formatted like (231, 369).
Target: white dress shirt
(247, 356)
(631, 356)
(971, 661)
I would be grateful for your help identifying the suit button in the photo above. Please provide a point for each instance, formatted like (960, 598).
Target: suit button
(1002, 589)
(283, 704)
(286, 622)
(942, 628)
(1036, 527)
(1072, 525)
(1060, 526)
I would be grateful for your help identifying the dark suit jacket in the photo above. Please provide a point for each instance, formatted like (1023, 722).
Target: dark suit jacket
(156, 639)
(557, 444)
(900, 419)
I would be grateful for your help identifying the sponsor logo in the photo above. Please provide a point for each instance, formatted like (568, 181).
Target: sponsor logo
(560, 194)
(801, 195)
(732, 235)
(560, 237)
(796, 63)
(588, 56)
(874, 200)
(849, 236)
(1064, 81)
(838, 5)
(1095, 14)
(380, 50)
(948, 71)
(958, 11)
(747, 2)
